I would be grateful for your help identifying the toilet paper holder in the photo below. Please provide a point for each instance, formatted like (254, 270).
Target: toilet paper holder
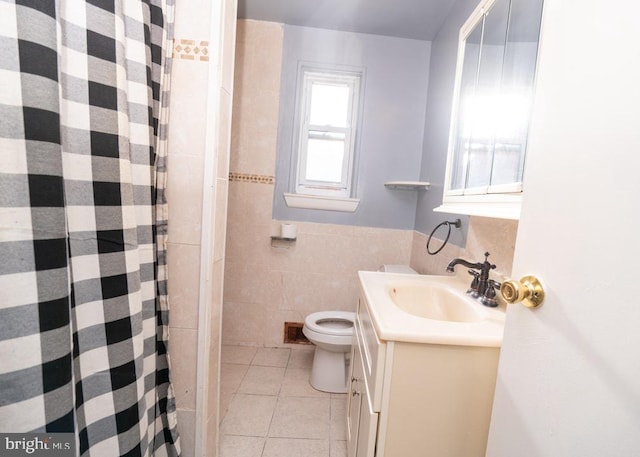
(279, 242)
(288, 235)
(282, 238)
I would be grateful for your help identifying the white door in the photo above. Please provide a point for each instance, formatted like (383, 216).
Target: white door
(569, 375)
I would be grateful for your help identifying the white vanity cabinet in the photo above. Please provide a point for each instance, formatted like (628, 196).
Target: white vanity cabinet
(416, 399)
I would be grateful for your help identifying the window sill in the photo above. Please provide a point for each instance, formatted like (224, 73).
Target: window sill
(347, 205)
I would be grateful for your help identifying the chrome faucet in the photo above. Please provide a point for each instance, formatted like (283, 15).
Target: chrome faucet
(481, 286)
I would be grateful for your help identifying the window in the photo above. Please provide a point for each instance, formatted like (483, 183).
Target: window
(328, 113)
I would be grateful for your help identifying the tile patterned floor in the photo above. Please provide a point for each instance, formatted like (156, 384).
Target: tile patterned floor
(269, 409)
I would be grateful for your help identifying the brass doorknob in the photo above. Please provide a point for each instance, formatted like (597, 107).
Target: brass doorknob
(528, 290)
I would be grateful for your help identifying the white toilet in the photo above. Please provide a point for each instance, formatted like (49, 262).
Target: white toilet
(331, 332)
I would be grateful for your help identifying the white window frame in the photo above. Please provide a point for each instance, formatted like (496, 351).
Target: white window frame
(342, 189)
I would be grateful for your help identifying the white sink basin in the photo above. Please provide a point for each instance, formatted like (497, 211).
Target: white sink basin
(429, 309)
(429, 300)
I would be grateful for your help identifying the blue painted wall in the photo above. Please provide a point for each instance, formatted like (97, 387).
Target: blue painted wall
(390, 142)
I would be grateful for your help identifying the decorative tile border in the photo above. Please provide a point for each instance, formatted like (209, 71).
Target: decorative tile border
(247, 177)
(191, 50)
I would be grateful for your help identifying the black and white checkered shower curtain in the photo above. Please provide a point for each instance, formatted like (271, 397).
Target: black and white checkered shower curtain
(83, 306)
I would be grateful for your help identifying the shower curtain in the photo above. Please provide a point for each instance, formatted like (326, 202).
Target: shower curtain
(83, 301)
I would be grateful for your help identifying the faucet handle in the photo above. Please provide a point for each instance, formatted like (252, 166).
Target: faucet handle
(475, 282)
(489, 297)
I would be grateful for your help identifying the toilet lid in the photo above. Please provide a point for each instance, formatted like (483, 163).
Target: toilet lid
(331, 322)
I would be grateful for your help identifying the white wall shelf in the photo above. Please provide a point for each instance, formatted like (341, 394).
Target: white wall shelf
(407, 185)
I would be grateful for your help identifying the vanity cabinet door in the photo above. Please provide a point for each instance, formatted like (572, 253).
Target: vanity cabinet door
(355, 394)
(362, 422)
(367, 427)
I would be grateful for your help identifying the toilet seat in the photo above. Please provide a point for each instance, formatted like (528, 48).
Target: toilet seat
(338, 323)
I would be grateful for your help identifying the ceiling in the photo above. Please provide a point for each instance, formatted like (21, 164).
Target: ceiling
(417, 19)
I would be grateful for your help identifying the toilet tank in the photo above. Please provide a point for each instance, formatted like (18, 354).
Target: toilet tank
(406, 269)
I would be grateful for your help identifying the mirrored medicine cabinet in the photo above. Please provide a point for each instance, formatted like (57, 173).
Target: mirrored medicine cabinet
(495, 72)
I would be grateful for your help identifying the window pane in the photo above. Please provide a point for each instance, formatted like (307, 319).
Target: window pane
(324, 160)
(465, 105)
(329, 105)
(486, 98)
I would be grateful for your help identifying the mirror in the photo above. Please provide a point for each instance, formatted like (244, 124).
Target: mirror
(492, 104)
